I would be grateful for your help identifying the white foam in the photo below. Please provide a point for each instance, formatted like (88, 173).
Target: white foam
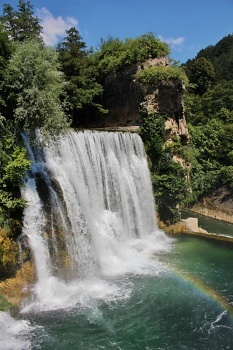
(15, 334)
(58, 295)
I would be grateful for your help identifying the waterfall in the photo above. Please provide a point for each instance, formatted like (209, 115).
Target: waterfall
(90, 215)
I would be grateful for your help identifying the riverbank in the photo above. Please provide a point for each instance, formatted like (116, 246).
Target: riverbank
(217, 205)
(190, 226)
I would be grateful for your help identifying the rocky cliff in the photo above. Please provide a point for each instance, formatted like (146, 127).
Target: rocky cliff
(124, 96)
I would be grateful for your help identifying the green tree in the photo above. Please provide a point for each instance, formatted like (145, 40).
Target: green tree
(72, 51)
(13, 165)
(82, 88)
(220, 55)
(206, 139)
(215, 103)
(37, 84)
(202, 75)
(207, 142)
(21, 24)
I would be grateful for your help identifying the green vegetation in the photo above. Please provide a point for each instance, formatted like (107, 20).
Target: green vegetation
(208, 105)
(220, 55)
(168, 177)
(21, 24)
(209, 112)
(8, 252)
(114, 54)
(82, 89)
(155, 75)
(85, 70)
(13, 164)
(36, 84)
(4, 304)
(202, 75)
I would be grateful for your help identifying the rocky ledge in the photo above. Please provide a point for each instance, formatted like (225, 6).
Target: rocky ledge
(217, 205)
(190, 226)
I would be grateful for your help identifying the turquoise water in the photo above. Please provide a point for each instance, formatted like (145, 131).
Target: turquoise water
(186, 306)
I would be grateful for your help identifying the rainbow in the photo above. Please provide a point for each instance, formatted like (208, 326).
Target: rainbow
(205, 289)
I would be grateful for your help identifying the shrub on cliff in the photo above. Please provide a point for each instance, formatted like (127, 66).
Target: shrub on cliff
(168, 177)
(155, 75)
(115, 54)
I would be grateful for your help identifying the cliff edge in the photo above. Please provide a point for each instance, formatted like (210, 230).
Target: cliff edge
(124, 96)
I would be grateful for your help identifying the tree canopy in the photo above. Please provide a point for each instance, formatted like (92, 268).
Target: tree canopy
(115, 54)
(82, 87)
(21, 24)
(202, 75)
(37, 84)
(209, 111)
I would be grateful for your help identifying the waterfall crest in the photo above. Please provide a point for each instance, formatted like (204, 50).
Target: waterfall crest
(90, 212)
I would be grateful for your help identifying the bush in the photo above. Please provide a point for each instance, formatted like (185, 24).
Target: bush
(155, 75)
(168, 177)
(115, 54)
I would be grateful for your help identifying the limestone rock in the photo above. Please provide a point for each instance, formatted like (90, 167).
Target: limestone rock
(218, 205)
(124, 96)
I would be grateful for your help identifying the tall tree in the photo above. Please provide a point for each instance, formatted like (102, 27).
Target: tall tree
(21, 24)
(37, 84)
(202, 75)
(82, 88)
(72, 51)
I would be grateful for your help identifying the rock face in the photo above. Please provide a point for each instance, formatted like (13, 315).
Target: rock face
(218, 205)
(124, 96)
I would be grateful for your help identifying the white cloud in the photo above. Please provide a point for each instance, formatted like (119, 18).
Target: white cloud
(54, 27)
(175, 43)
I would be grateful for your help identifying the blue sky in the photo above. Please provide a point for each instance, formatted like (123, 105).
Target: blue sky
(186, 25)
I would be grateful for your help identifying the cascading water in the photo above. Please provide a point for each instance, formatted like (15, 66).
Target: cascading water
(90, 214)
(106, 278)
